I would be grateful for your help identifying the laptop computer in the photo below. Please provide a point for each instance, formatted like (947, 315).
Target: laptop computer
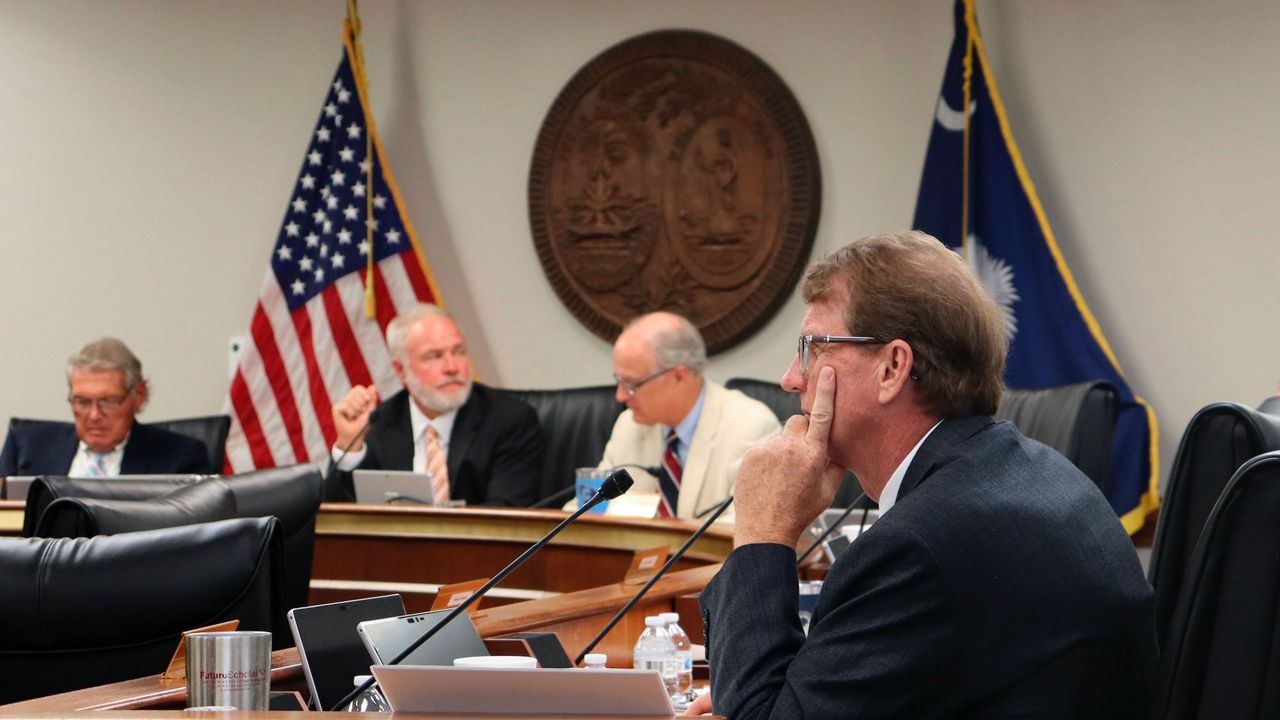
(386, 639)
(15, 487)
(329, 647)
(386, 487)
(538, 691)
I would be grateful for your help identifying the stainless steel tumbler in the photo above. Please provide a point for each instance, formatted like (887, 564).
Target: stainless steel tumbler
(229, 669)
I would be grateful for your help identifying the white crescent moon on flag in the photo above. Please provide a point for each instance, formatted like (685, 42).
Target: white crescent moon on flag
(952, 120)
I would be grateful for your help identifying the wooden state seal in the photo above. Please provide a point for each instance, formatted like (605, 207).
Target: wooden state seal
(675, 171)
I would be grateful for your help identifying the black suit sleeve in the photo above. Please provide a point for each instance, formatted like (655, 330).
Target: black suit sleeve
(9, 456)
(878, 643)
(517, 460)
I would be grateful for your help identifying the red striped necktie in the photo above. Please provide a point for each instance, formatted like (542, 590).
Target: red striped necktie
(669, 478)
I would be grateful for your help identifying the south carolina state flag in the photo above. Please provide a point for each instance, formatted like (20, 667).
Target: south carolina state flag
(976, 196)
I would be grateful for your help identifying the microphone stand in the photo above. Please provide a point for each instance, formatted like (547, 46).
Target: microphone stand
(332, 472)
(719, 510)
(862, 497)
(617, 483)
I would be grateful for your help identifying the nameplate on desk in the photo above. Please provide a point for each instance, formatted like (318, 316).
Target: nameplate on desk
(177, 669)
(454, 594)
(644, 564)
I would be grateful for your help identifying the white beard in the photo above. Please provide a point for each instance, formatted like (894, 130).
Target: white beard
(434, 400)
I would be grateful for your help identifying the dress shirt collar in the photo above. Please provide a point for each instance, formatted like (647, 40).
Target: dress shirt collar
(889, 496)
(687, 426)
(443, 424)
(110, 460)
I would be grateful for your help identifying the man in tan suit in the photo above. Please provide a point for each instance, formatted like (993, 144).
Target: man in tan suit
(694, 430)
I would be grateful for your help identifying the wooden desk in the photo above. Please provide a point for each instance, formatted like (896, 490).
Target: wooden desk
(578, 578)
(364, 550)
(11, 518)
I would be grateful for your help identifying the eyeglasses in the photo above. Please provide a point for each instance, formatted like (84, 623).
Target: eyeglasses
(632, 388)
(106, 406)
(806, 340)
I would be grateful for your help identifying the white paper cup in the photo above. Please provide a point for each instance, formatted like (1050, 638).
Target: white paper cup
(506, 662)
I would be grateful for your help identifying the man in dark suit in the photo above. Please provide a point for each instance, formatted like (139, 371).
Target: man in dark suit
(478, 444)
(107, 391)
(997, 582)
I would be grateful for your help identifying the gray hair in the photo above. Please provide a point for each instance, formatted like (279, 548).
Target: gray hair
(105, 354)
(677, 343)
(398, 329)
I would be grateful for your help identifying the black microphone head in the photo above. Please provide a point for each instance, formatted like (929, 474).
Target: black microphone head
(618, 482)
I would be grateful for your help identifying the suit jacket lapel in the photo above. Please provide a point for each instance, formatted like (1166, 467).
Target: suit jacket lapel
(396, 434)
(938, 446)
(136, 452)
(704, 438)
(67, 448)
(464, 432)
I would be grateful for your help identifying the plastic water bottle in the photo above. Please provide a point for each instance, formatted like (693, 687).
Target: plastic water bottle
(655, 651)
(370, 700)
(595, 661)
(683, 694)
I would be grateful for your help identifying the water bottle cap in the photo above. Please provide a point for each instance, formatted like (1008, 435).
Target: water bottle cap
(596, 658)
(670, 617)
(654, 621)
(359, 680)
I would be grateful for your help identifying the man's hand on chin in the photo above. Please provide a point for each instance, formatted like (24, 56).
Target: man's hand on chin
(787, 482)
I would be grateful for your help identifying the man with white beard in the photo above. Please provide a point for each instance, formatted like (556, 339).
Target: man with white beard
(479, 445)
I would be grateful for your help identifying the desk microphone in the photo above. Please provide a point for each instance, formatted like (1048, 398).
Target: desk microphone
(559, 497)
(861, 499)
(332, 472)
(616, 484)
(671, 561)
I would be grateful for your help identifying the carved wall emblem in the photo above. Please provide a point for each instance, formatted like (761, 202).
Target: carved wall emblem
(675, 172)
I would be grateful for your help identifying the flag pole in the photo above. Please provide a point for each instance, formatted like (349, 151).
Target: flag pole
(362, 86)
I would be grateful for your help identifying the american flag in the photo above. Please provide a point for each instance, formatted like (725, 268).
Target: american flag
(310, 340)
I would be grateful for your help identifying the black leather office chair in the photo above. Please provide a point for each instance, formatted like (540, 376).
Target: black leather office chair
(1076, 420)
(576, 424)
(1218, 440)
(783, 404)
(47, 488)
(1221, 658)
(291, 494)
(209, 429)
(1270, 406)
(75, 613)
(201, 502)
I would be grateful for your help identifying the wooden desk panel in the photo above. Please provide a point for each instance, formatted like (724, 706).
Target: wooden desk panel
(11, 518)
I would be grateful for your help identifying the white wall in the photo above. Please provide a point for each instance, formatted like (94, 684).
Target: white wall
(147, 150)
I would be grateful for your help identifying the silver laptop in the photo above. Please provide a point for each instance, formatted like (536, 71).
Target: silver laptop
(386, 639)
(392, 487)
(17, 486)
(541, 691)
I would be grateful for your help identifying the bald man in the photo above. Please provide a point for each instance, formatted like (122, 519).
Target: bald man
(695, 430)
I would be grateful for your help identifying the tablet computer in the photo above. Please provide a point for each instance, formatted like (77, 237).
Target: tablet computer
(386, 487)
(386, 639)
(329, 647)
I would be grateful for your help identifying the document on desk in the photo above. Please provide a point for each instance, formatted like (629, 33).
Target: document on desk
(550, 691)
